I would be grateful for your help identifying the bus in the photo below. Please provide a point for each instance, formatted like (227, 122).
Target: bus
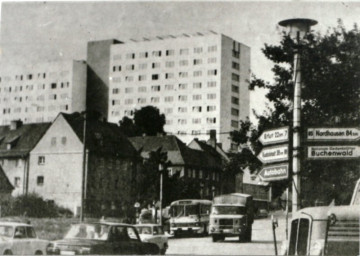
(325, 230)
(189, 216)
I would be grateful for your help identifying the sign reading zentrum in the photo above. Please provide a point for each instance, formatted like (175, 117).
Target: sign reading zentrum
(333, 152)
(333, 134)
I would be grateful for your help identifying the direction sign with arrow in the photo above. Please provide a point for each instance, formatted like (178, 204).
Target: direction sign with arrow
(333, 134)
(278, 135)
(274, 172)
(274, 154)
(333, 152)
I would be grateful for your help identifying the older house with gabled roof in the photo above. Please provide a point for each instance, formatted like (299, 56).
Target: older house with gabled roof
(192, 164)
(57, 165)
(16, 142)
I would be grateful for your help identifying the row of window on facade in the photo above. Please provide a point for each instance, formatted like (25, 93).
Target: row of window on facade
(30, 87)
(27, 119)
(41, 97)
(168, 64)
(169, 99)
(200, 174)
(33, 76)
(209, 120)
(196, 174)
(39, 181)
(32, 109)
(159, 53)
(169, 87)
(181, 98)
(154, 77)
(156, 65)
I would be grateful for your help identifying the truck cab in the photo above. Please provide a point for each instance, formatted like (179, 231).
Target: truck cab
(232, 215)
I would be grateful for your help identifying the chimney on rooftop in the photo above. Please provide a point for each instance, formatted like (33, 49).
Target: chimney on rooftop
(212, 140)
(15, 124)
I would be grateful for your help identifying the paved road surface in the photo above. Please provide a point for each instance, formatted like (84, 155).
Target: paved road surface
(262, 242)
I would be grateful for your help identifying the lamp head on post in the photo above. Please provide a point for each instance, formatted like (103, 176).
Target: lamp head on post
(297, 28)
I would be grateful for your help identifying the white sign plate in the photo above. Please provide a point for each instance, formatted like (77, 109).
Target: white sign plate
(333, 152)
(274, 154)
(331, 134)
(274, 172)
(279, 135)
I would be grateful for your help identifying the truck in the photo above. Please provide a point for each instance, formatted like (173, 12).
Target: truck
(232, 215)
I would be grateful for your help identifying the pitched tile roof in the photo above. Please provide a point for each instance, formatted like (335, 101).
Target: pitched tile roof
(5, 185)
(177, 152)
(22, 140)
(101, 137)
(204, 146)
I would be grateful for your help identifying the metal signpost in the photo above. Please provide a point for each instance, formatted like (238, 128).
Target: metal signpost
(275, 154)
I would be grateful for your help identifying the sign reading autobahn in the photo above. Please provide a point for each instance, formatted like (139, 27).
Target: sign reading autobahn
(273, 136)
(333, 152)
(333, 134)
(274, 154)
(274, 172)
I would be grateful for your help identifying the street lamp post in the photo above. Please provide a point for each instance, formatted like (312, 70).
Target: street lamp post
(297, 29)
(161, 169)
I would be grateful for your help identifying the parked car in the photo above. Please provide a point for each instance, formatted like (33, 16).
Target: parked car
(105, 238)
(20, 238)
(153, 233)
(262, 213)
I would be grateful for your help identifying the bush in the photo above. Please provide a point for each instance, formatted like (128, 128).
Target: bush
(32, 205)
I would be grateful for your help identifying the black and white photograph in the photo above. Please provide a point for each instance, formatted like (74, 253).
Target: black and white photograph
(179, 127)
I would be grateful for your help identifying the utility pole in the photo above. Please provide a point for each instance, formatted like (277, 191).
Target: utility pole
(297, 31)
(161, 169)
(84, 174)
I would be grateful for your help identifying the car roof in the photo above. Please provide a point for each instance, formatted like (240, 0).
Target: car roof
(14, 224)
(104, 223)
(147, 225)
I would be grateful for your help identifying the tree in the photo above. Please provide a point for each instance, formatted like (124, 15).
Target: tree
(147, 120)
(331, 94)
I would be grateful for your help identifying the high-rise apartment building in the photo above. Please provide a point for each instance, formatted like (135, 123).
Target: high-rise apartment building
(200, 82)
(37, 93)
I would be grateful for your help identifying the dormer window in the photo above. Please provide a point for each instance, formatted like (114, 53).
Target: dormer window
(11, 143)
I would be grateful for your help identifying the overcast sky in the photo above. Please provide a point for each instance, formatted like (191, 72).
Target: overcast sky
(42, 31)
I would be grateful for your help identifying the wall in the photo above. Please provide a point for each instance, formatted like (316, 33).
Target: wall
(227, 82)
(15, 167)
(28, 92)
(133, 93)
(78, 94)
(62, 170)
(98, 60)
(110, 186)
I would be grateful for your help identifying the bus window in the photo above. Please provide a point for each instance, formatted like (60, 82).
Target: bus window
(299, 237)
(294, 228)
(205, 209)
(303, 236)
(191, 210)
